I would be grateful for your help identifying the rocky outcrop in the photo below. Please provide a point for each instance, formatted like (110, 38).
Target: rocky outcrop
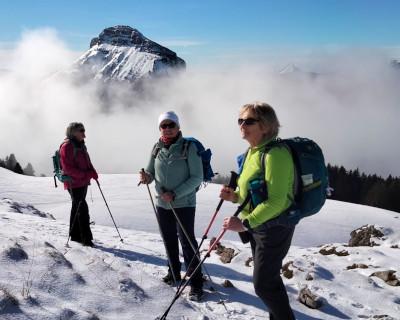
(357, 266)
(309, 299)
(125, 36)
(388, 276)
(329, 249)
(364, 235)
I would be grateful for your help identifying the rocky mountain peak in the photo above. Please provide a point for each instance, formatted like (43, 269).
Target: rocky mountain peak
(126, 36)
(122, 53)
(119, 36)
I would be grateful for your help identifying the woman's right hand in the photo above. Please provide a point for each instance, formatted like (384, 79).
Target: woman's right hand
(228, 194)
(144, 177)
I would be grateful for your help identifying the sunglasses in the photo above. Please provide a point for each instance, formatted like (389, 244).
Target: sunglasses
(81, 130)
(247, 122)
(169, 125)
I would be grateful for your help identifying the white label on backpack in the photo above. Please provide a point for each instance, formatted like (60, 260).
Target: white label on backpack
(307, 179)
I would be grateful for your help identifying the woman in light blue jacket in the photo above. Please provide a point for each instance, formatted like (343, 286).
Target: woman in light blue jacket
(177, 170)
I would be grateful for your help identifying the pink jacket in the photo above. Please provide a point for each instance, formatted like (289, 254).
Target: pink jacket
(75, 162)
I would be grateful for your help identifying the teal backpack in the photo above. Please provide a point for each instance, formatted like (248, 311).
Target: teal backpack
(57, 169)
(311, 176)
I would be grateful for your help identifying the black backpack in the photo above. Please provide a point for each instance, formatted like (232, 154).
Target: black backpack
(311, 186)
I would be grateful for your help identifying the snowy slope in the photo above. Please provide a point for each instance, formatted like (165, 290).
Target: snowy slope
(41, 278)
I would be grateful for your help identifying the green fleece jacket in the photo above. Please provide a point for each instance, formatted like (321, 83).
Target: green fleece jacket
(279, 175)
(174, 172)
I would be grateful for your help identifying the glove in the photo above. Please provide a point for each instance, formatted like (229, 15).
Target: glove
(92, 175)
(95, 176)
(144, 177)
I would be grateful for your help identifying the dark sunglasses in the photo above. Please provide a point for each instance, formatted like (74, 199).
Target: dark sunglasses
(81, 130)
(247, 122)
(170, 125)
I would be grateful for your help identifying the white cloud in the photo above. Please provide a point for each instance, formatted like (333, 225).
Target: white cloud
(351, 111)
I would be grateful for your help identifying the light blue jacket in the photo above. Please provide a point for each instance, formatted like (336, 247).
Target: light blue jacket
(172, 171)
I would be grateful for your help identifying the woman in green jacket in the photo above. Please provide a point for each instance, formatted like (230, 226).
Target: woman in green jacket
(270, 239)
(177, 170)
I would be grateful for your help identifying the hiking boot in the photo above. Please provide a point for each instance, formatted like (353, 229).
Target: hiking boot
(169, 279)
(195, 294)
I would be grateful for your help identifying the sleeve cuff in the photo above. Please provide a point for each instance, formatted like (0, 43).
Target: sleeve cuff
(246, 224)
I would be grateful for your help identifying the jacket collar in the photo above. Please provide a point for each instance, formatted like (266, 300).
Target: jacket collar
(177, 140)
(264, 143)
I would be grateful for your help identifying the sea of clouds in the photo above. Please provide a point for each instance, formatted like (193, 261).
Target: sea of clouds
(351, 109)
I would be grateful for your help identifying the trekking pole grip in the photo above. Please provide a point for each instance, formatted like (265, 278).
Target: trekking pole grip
(233, 180)
(140, 182)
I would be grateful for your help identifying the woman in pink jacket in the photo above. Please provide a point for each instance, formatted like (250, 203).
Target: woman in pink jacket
(75, 162)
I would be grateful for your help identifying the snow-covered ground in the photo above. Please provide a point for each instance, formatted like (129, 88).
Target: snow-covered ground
(41, 278)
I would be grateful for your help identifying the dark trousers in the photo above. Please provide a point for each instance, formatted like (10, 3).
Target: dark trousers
(171, 231)
(79, 224)
(269, 247)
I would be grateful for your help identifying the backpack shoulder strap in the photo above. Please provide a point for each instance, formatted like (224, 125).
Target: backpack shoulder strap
(156, 150)
(241, 159)
(73, 146)
(268, 147)
(185, 148)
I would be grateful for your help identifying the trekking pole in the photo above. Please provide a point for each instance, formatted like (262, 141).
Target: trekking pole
(232, 184)
(221, 234)
(159, 229)
(101, 191)
(196, 254)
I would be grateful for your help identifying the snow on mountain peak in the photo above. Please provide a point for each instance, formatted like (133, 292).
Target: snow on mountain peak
(122, 53)
(290, 68)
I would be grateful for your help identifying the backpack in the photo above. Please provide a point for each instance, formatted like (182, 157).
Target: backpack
(57, 169)
(205, 155)
(311, 176)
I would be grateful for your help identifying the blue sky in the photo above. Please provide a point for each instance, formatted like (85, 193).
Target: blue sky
(198, 30)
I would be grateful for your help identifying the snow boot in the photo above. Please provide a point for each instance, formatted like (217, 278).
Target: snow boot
(169, 279)
(196, 294)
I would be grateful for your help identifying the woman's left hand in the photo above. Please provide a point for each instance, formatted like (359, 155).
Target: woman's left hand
(168, 196)
(234, 224)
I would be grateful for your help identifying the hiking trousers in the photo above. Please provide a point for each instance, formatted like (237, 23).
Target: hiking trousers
(171, 232)
(79, 224)
(269, 247)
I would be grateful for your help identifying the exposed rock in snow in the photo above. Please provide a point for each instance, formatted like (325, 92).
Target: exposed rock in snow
(364, 236)
(309, 299)
(388, 276)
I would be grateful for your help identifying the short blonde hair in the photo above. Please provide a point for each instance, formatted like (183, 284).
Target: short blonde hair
(72, 128)
(265, 113)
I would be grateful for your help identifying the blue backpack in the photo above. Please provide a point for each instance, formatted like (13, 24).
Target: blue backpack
(311, 176)
(205, 155)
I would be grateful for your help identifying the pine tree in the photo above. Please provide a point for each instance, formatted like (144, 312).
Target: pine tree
(28, 170)
(11, 162)
(18, 169)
